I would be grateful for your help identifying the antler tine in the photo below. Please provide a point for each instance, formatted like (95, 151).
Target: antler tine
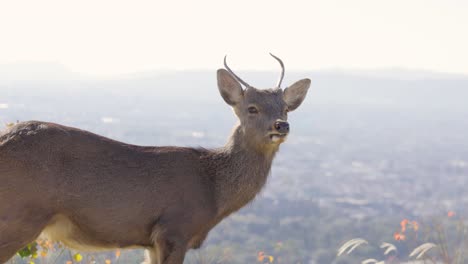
(282, 70)
(234, 75)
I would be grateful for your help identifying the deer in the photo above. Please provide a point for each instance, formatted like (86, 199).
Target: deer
(93, 193)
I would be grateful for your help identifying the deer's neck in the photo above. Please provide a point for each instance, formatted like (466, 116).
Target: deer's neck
(239, 171)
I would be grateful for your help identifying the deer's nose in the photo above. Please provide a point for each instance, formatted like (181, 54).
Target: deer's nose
(282, 127)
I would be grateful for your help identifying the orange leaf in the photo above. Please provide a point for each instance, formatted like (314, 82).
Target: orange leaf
(398, 236)
(403, 224)
(260, 256)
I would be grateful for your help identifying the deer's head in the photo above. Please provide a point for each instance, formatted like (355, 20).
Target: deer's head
(263, 114)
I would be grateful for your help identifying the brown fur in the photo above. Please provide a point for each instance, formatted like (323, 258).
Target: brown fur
(93, 193)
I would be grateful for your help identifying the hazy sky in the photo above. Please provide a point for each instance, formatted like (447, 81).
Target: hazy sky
(113, 37)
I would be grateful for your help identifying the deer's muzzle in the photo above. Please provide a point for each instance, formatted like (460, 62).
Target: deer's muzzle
(282, 127)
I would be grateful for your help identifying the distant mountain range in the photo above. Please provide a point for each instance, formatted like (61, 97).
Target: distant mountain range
(27, 71)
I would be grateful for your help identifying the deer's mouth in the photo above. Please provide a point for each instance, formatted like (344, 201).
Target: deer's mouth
(278, 137)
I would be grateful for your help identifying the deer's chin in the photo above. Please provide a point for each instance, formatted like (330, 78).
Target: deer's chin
(278, 138)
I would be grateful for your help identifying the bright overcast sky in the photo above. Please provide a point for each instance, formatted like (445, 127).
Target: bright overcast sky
(114, 37)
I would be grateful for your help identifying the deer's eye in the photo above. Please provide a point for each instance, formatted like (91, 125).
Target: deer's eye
(252, 110)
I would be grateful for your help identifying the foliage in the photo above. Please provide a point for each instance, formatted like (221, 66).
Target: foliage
(47, 252)
(29, 251)
(441, 250)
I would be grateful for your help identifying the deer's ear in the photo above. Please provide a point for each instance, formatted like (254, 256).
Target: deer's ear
(230, 89)
(296, 93)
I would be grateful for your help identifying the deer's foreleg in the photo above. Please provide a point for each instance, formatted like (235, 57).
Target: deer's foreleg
(169, 247)
(167, 253)
(172, 254)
